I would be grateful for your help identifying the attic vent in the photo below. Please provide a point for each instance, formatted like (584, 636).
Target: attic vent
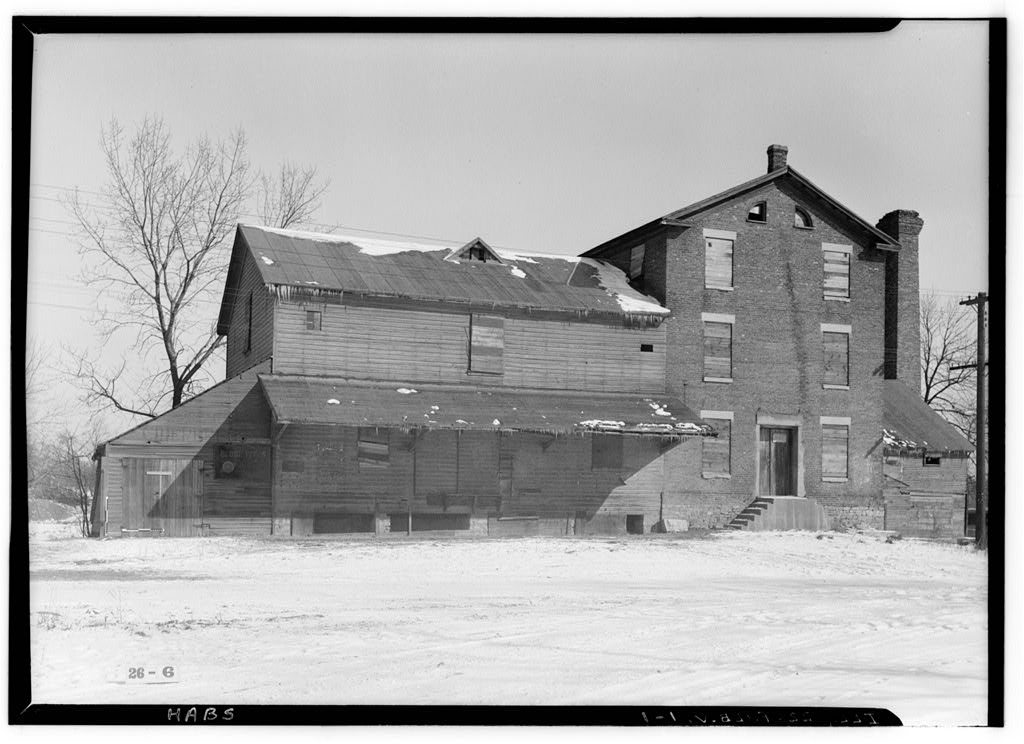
(475, 250)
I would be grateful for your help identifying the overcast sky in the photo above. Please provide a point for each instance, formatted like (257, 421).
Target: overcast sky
(540, 143)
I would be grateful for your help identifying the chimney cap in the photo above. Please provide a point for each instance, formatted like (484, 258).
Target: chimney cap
(777, 157)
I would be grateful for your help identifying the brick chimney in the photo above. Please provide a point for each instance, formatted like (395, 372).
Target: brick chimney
(902, 301)
(777, 157)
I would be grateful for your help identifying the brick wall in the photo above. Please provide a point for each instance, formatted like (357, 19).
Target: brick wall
(778, 304)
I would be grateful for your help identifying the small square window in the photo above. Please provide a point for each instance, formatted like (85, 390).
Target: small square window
(606, 452)
(933, 460)
(312, 320)
(646, 347)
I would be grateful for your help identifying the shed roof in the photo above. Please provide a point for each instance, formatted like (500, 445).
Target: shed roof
(422, 271)
(909, 423)
(315, 400)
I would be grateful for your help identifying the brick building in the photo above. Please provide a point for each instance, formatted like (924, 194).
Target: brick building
(735, 362)
(791, 317)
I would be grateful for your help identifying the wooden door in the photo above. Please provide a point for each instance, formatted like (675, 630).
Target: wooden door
(162, 496)
(777, 452)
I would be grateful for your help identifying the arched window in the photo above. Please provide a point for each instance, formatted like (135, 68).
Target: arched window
(802, 219)
(758, 212)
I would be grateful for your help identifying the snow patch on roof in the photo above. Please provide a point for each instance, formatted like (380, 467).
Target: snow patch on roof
(616, 283)
(373, 246)
(407, 391)
(267, 261)
(516, 271)
(333, 402)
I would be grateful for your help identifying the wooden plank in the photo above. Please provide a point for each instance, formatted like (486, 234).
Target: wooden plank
(717, 262)
(836, 364)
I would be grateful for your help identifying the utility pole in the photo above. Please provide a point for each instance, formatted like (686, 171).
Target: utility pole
(980, 530)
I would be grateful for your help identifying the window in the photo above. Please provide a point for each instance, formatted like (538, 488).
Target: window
(248, 335)
(835, 447)
(636, 263)
(312, 320)
(606, 452)
(374, 450)
(717, 347)
(835, 341)
(718, 250)
(486, 343)
(932, 460)
(646, 347)
(837, 271)
(758, 212)
(474, 250)
(716, 452)
(801, 218)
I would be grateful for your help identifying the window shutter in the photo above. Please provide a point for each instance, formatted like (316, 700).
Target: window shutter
(487, 343)
(834, 450)
(717, 262)
(373, 451)
(636, 261)
(717, 350)
(836, 358)
(837, 274)
(715, 451)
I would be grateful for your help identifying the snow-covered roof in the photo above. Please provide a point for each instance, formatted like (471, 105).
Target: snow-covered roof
(421, 270)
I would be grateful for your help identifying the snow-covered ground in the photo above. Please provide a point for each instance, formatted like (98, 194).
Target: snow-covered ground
(736, 618)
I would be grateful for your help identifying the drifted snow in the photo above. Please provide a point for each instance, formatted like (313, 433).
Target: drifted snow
(734, 619)
(602, 425)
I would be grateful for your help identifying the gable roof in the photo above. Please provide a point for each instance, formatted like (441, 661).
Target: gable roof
(679, 216)
(419, 271)
(910, 423)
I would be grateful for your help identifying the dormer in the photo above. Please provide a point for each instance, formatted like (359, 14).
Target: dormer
(474, 250)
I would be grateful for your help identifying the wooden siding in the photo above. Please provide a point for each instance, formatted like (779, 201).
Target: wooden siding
(415, 346)
(229, 422)
(240, 356)
(479, 473)
(911, 475)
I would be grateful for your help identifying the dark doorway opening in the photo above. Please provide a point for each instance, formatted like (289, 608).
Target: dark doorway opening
(429, 522)
(634, 524)
(328, 523)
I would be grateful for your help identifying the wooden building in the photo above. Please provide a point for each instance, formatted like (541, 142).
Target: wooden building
(741, 361)
(382, 387)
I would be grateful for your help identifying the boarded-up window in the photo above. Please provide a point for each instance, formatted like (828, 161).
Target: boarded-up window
(837, 274)
(718, 350)
(636, 262)
(837, 358)
(717, 263)
(312, 320)
(715, 452)
(606, 452)
(374, 451)
(487, 343)
(835, 440)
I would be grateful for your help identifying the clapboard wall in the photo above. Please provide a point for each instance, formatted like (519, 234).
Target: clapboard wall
(242, 350)
(318, 471)
(418, 346)
(229, 423)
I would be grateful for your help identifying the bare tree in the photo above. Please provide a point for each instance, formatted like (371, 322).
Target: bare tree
(41, 413)
(290, 198)
(948, 340)
(157, 249)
